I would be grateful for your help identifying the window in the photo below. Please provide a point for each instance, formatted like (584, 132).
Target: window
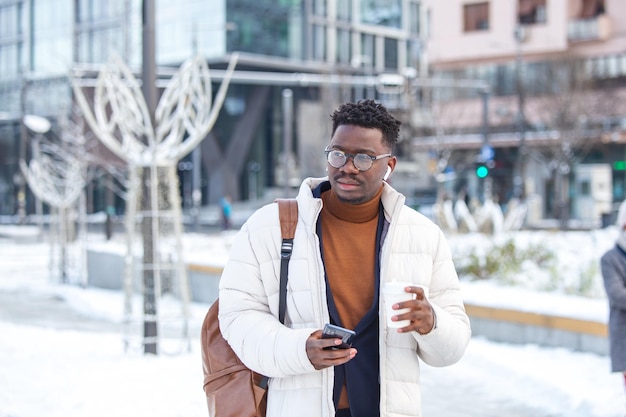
(391, 54)
(413, 53)
(9, 58)
(344, 52)
(11, 40)
(591, 9)
(476, 17)
(319, 43)
(368, 52)
(99, 30)
(51, 36)
(610, 66)
(531, 11)
(263, 27)
(382, 12)
(585, 188)
(414, 18)
(319, 8)
(10, 20)
(343, 10)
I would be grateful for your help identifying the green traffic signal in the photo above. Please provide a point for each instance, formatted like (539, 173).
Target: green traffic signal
(482, 171)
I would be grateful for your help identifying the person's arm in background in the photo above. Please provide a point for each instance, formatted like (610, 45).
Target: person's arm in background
(613, 274)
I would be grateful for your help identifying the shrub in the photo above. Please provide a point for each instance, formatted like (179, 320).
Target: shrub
(505, 262)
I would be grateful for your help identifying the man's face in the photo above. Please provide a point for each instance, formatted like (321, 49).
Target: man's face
(351, 185)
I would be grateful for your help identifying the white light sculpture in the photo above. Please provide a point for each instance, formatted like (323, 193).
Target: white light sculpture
(121, 120)
(57, 177)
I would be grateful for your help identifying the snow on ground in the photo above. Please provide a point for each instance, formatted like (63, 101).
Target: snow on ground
(50, 371)
(570, 286)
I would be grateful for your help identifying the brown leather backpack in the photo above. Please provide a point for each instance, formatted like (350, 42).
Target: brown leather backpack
(231, 389)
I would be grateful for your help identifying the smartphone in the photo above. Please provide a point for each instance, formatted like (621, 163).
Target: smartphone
(331, 331)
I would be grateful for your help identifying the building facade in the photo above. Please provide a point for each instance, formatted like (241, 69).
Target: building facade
(527, 90)
(556, 71)
(307, 54)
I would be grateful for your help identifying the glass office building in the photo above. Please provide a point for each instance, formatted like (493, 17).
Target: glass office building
(44, 42)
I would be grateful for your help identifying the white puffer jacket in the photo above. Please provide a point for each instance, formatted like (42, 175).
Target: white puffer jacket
(414, 250)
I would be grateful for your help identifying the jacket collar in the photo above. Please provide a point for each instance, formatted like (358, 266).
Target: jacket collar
(310, 203)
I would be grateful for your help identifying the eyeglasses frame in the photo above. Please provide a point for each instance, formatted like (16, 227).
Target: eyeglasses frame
(327, 151)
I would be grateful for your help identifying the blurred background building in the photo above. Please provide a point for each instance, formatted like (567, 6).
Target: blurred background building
(556, 115)
(529, 91)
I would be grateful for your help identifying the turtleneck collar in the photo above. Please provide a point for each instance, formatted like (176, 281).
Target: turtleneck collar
(354, 213)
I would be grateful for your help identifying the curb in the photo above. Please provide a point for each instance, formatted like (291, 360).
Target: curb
(520, 327)
(589, 327)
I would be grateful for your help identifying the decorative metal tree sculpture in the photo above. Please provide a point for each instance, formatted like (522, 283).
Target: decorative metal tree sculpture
(185, 114)
(58, 177)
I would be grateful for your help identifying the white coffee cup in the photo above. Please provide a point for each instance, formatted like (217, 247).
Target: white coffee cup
(393, 293)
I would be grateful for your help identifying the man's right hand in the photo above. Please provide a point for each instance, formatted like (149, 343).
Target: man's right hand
(323, 358)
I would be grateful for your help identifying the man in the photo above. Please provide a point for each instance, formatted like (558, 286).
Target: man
(354, 233)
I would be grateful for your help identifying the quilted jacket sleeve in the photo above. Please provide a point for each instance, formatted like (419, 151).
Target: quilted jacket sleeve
(447, 342)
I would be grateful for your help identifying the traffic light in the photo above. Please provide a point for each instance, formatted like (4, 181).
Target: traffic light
(482, 170)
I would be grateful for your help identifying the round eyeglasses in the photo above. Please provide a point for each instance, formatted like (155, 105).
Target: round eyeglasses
(361, 161)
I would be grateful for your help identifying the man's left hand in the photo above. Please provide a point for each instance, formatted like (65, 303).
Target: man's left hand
(421, 316)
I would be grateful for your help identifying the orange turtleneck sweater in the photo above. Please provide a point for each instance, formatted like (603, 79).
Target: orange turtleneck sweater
(349, 236)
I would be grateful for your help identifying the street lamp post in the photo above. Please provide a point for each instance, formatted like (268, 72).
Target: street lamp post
(486, 151)
(21, 193)
(149, 92)
(287, 96)
(196, 185)
(253, 172)
(40, 126)
(518, 179)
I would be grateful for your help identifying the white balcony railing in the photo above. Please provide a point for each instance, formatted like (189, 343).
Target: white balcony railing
(594, 29)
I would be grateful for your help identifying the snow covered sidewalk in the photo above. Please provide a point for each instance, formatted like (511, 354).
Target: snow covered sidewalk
(68, 360)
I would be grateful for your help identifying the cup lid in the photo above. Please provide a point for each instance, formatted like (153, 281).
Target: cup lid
(396, 286)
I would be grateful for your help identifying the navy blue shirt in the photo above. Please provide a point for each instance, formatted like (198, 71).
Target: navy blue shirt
(361, 374)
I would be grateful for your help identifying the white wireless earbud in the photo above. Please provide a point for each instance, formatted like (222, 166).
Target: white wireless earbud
(387, 174)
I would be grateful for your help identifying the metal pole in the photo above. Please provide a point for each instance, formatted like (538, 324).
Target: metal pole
(38, 202)
(149, 92)
(298, 79)
(485, 127)
(253, 172)
(487, 186)
(21, 193)
(518, 180)
(196, 191)
(109, 199)
(196, 160)
(287, 130)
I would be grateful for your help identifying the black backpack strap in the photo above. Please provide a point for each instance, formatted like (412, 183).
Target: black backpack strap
(288, 214)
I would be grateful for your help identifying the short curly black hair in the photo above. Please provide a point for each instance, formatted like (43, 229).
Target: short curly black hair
(370, 114)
